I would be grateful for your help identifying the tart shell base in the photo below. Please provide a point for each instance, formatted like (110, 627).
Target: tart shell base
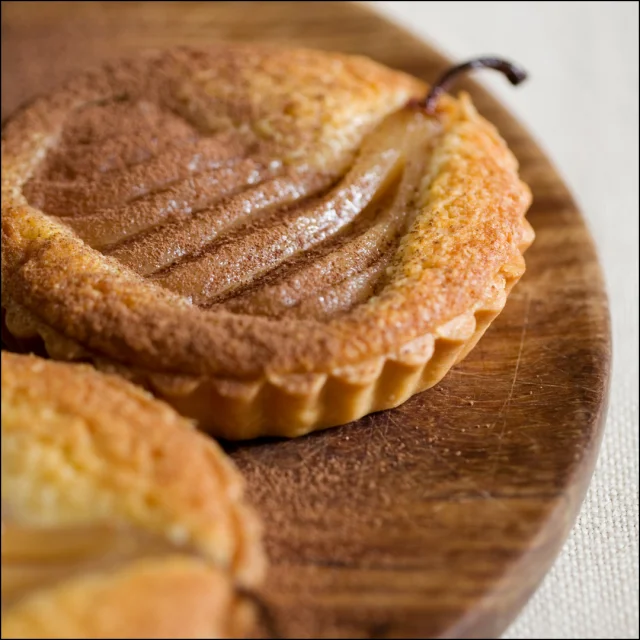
(292, 405)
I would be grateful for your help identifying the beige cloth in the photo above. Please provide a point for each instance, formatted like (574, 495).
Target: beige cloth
(582, 104)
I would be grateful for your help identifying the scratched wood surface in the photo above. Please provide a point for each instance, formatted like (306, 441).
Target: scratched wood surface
(437, 519)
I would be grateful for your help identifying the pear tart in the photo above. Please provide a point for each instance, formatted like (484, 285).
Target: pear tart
(275, 241)
(119, 519)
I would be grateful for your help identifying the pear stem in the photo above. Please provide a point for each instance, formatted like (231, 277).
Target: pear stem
(514, 73)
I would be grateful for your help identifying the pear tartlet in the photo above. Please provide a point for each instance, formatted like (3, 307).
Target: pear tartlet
(119, 519)
(274, 241)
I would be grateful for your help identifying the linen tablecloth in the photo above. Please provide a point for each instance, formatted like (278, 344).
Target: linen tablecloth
(582, 106)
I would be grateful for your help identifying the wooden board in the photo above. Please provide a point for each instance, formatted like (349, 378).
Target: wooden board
(440, 518)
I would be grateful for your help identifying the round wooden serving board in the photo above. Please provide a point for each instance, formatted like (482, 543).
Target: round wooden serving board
(439, 518)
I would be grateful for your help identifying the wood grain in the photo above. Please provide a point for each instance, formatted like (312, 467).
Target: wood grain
(437, 519)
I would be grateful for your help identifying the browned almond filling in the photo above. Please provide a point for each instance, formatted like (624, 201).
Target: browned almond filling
(210, 218)
(37, 557)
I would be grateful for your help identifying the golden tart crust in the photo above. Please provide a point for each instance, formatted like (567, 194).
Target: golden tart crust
(313, 250)
(119, 518)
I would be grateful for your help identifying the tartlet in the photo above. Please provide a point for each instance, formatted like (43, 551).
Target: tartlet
(119, 519)
(275, 241)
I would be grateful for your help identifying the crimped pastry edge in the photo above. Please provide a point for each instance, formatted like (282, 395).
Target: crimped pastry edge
(291, 405)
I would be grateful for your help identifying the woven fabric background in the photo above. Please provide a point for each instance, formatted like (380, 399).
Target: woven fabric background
(582, 105)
